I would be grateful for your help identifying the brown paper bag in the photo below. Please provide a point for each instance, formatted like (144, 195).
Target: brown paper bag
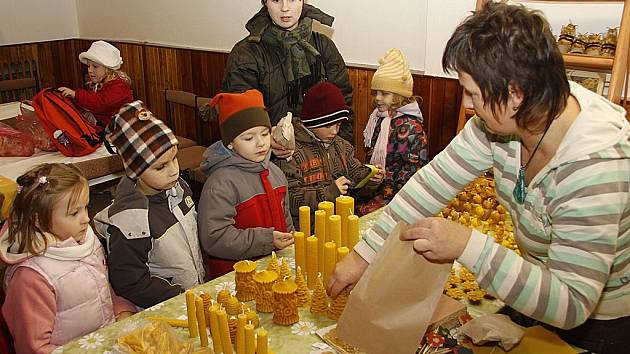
(390, 308)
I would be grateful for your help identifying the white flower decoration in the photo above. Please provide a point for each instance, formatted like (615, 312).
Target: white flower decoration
(91, 341)
(57, 351)
(230, 285)
(155, 307)
(303, 328)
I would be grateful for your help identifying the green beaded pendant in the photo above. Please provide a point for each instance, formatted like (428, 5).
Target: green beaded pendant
(519, 191)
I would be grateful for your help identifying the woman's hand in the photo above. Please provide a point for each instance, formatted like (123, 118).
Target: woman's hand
(437, 239)
(342, 184)
(378, 177)
(346, 274)
(282, 239)
(280, 151)
(66, 92)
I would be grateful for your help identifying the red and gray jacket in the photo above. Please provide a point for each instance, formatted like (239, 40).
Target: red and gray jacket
(241, 204)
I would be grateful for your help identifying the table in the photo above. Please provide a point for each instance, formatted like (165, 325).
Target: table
(9, 110)
(294, 339)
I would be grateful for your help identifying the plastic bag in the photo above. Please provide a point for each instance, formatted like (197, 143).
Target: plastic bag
(149, 337)
(15, 143)
(27, 122)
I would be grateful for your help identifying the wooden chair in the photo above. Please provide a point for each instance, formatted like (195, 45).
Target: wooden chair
(18, 80)
(189, 101)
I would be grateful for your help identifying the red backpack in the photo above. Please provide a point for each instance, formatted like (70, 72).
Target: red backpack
(71, 133)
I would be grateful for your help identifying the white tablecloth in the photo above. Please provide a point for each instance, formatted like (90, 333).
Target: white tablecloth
(9, 110)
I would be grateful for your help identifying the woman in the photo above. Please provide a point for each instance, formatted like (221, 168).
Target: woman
(561, 161)
(283, 57)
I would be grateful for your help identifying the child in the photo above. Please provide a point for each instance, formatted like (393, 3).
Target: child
(57, 287)
(151, 226)
(394, 134)
(108, 89)
(323, 166)
(243, 210)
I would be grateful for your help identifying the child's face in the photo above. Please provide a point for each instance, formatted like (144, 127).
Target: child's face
(252, 144)
(96, 72)
(285, 13)
(327, 133)
(163, 174)
(71, 219)
(383, 100)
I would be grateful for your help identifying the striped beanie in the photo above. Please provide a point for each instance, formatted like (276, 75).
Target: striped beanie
(239, 112)
(323, 105)
(393, 74)
(139, 138)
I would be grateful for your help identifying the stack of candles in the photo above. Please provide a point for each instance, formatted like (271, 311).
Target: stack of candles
(335, 235)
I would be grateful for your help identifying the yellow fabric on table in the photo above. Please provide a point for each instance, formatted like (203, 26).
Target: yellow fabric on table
(537, 339)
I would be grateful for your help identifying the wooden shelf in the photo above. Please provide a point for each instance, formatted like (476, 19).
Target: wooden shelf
(580, 61)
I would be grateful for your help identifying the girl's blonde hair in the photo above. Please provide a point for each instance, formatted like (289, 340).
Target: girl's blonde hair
(111, 75)
(397, 102)
(38, 191)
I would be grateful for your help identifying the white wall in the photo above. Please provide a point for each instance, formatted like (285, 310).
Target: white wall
(24, 21)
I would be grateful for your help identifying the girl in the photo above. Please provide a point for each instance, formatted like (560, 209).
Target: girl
(57, 285)
(108, 87)
(394, 134)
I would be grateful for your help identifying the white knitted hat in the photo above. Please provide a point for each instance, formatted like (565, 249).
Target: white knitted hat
(393, 74)
(102, 53)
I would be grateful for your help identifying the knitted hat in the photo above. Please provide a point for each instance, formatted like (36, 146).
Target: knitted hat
(104, 54)
(139, 137)
(393, 74)
(239, 112)
(323, 105)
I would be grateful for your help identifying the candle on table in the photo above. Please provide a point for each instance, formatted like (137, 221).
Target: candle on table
(320, 233)
(245, 286)
(328, 207)
(311, 261)
(264, 298)
(305, 220)
(261, 341)
(319, 302)
(303, 296)
(330, 259)
(342, 252)
(353, 231)
(300, 249)
(344, 207)
(214, 328)
(240, 333)
(224, 329)
(285, 306)
(201, 322)
(191, 311)
(334, 229)
(249, 339)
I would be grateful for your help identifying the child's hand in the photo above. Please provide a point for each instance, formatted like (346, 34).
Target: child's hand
(378, 177)
(66, 92)
(342, 184)
(282, 239)
(123, 315)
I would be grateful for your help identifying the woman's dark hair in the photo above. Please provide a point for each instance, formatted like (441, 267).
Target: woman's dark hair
(502, 45)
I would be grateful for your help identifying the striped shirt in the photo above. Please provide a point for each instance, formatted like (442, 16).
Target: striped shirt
(573, 228)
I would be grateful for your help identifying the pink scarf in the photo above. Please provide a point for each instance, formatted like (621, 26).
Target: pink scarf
(379, 153)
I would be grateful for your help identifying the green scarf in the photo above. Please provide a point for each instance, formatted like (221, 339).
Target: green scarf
(300, 53)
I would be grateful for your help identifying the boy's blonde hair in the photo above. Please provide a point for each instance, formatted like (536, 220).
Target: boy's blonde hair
(38, 191)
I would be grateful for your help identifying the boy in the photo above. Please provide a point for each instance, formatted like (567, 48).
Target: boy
(323, 166)
(243, 209)
(151, 226)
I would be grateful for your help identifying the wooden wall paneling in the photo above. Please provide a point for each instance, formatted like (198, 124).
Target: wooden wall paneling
(66, 64)
(133, 65)
(207, 74)
(360, 80)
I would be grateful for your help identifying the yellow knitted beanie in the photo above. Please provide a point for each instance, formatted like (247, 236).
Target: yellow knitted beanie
(393, 74)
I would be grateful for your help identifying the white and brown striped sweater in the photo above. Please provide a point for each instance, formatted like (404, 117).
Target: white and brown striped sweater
(573, 229)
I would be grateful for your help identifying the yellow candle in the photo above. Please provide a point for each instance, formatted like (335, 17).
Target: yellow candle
(264, 281)
(320, 233)
(214, 328)
(300, 249)
(285, 304)
(226, 343)
(305, 220)
(330, 259)
(344, 207)
(328, 207)
(249, 339)
(245, 286)
(261, 341)
(192, 314)
(240, 333)
(334, 229)
(201, 322)
(311, 261)
(353, 231)
(342, 252)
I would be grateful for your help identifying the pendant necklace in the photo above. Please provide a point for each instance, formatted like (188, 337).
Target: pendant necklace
(520, 191)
